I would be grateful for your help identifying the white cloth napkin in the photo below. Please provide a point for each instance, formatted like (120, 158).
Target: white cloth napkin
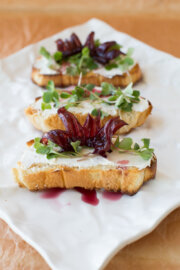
(67, 232)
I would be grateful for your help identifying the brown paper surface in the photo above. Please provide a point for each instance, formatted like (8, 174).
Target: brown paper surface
(160, 249)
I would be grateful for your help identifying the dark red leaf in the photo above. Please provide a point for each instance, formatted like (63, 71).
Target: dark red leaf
(112, 54)
(101, 54)
(75, 41)
(69, 47)
(92, 126)
(90, 42)
(59, 137)
(91, 134)
(102, 141)
(104, 47)
(71, 123)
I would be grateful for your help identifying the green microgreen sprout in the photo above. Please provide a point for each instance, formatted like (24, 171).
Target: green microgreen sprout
(45, 53)
(121, 99)
(52, 150)
(95, 112)
(81, 63)
(127, 145)
(123, 62)
(50, 96)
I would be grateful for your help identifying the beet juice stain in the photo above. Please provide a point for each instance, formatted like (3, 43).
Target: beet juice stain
(52, 193)
(87, 196)
(112, 196)
(123, 162)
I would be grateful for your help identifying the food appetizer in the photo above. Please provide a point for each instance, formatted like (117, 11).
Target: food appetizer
(110, 101)
(86, 156)
(97, 62)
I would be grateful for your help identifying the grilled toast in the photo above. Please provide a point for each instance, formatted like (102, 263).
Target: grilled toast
(45, 120)
(115, 177)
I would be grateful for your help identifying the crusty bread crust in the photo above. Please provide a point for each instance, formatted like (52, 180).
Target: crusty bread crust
(125, 179)
(133, 119)
(134, 75)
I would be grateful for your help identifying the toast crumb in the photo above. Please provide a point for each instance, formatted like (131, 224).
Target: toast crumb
(29, 143)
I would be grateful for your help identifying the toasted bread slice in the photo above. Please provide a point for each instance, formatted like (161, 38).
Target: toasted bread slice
(133, 75)
(42, 174)
(48, 122)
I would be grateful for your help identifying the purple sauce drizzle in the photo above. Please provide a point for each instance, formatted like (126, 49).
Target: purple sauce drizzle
(88, 196)
(112, 196)
(52, 193)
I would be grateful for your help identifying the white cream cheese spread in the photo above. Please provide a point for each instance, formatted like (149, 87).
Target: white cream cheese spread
(87, 106)
(114, 159)
(47, 67)
(44, 67)
(110, 73)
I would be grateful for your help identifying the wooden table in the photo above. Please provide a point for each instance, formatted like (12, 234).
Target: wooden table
(154, 22)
